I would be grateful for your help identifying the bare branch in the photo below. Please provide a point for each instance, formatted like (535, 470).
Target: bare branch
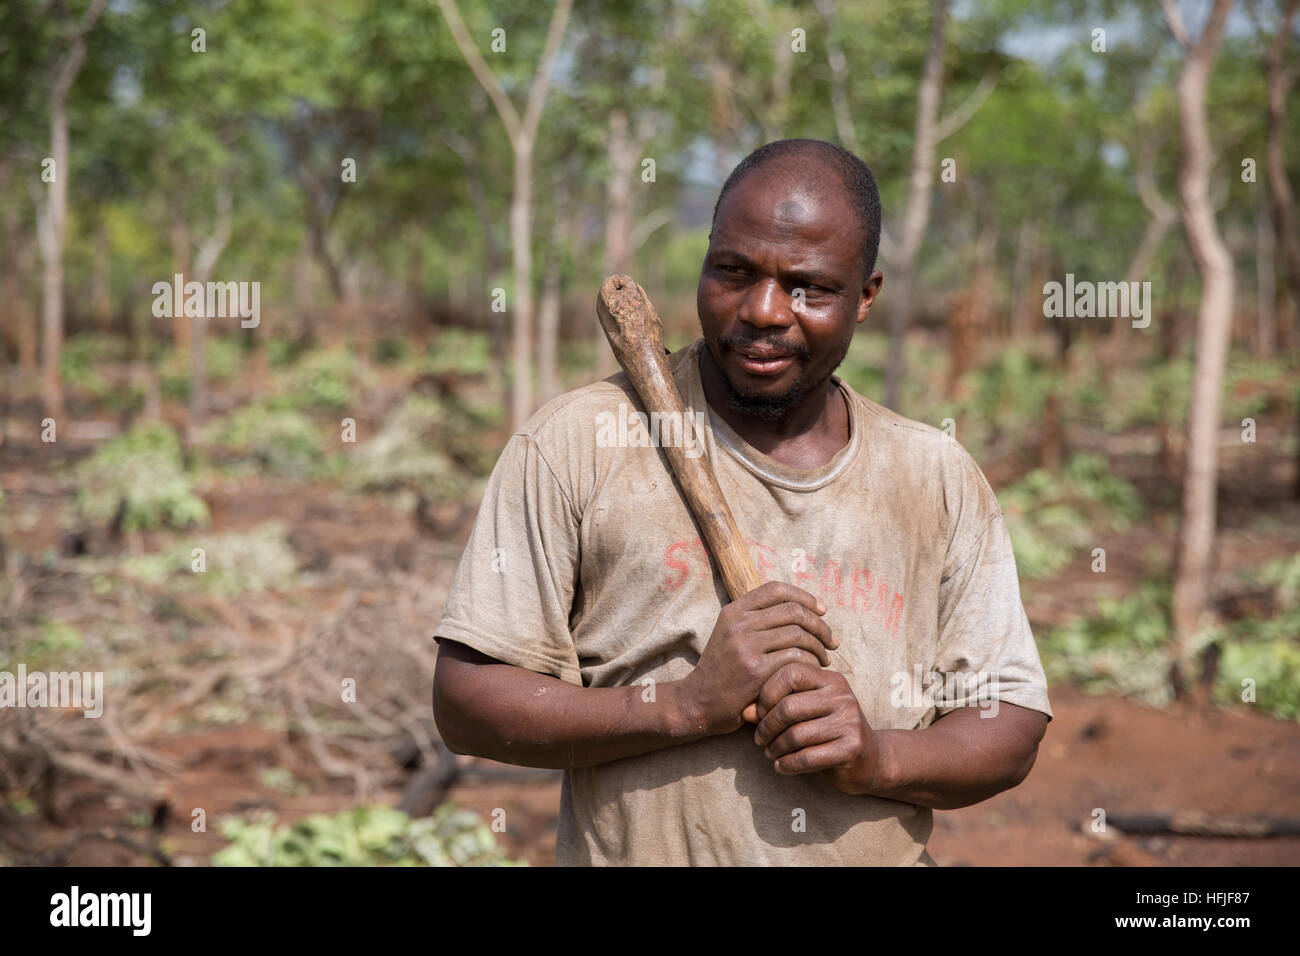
(969, 107)
(542, 80)
(1176, 25)
(486, 78)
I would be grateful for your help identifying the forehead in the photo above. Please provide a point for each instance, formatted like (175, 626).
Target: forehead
(804, 206)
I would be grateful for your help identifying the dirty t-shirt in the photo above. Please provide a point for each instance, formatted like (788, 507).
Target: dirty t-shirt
(585, 564)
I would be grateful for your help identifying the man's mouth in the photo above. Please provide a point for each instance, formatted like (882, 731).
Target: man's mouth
(763, 361)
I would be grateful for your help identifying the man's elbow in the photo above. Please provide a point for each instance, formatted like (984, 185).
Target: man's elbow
(1028, 751)
(449, 716)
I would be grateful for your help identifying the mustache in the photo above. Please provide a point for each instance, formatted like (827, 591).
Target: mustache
(736, 342)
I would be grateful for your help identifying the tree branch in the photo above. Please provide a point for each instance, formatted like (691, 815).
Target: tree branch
(542, 80)
(486, 78)
(1176, 25)
(969, 107)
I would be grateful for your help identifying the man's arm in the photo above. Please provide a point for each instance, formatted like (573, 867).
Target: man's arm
(811, 721)
(488, 708)
(962, 758)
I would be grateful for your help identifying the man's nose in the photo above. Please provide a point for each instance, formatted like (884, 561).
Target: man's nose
(767, 304)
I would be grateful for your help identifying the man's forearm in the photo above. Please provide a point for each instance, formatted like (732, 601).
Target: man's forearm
(489, 709)
(960, 759)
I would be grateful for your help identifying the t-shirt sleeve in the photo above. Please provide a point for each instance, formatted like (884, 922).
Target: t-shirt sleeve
(986, 649)
(513, 592)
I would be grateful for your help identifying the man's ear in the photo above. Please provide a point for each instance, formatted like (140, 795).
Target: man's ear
(870, 289)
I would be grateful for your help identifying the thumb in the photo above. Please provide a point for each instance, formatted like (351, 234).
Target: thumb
(750, 713)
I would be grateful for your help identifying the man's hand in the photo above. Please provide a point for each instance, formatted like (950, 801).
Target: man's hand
(755, 636)
(809, 720)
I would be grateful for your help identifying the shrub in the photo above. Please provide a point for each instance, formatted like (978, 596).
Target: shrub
(1051, 516)
(366, 836)
(141, 474)
(280, 440)
(235, 563)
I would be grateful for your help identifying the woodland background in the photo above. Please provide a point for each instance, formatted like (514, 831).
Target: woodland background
(515, 154)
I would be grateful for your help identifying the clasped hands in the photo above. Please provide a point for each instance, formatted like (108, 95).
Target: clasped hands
(766, 663)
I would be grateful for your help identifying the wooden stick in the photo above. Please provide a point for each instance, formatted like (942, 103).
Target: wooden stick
(636, 336)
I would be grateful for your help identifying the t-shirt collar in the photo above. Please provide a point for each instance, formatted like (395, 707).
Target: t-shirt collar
(767, 469)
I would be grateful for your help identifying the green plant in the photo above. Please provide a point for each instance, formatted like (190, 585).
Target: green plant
(282, 441)
(1119, 648)
(1052, 515)
(429, 445)
(458, 350)
(365, 836)
(1265, 649)
(321, 380)
(139, 475)
(233, 563)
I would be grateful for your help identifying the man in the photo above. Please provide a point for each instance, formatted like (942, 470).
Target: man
(887, 661)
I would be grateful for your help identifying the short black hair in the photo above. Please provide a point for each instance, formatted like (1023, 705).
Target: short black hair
(864, 197)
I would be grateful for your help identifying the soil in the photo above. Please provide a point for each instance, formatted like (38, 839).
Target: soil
(1100, 753)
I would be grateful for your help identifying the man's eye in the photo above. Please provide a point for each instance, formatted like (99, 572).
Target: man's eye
(733, 270)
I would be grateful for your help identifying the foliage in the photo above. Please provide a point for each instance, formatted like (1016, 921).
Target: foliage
(1266, 648)
(457, 350)
(141, 474)
(235, 563)
(1120, 648)
(1051, 516)
(1123, 647)
(322, 380)
(429, 445)
(46, 643)
(283, 441)
(365, 836)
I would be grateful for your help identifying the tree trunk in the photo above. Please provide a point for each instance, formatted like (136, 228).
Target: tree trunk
(522, 132)
(622, 154)
(101, 284)
(1266, 289)
(52, 239)
(920, 188)
(835, 59)
(209, 254)
(180, 242)
(521, 253)
(1279, 187)
(1193, 566)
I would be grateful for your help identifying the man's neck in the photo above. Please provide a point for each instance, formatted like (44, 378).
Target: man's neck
(808, 436)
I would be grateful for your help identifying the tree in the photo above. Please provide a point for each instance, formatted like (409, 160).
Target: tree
(522, 132)
(1193, 566)
(929, 131)
(1280, 80)
(53, 222)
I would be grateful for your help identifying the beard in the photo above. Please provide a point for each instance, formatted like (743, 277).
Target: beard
(774, 408)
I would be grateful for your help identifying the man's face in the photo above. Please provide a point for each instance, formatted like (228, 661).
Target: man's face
(782, 287)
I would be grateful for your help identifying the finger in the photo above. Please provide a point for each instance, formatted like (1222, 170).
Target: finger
(775, 661)
(791, 679)
(793, 636)
(791, 612)
(778, 592)
(787, 712)
(750, 714)
(810, 759)
(799, 736)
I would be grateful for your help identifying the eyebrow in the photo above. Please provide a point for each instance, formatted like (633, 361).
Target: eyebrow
(801, 276)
